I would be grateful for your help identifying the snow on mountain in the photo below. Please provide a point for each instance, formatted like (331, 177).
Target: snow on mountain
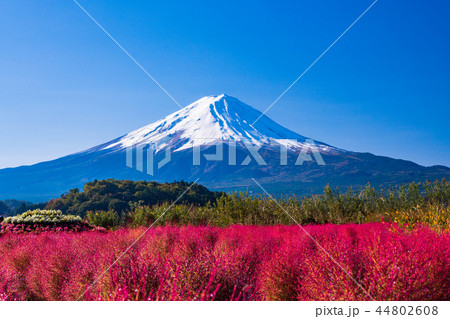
(209, 120)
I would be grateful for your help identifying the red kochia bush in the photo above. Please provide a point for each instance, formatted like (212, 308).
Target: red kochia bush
(234, 263)
(39, 228)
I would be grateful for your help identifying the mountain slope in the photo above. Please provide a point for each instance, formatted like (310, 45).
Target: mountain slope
(210, 119)
(220, 125)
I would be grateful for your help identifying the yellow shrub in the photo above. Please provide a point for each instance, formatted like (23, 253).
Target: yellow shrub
(436, 217)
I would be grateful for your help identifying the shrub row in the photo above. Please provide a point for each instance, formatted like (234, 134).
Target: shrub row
(234, 263)
(409, 205)
(42, 217)
(39, 228)
(38, 221)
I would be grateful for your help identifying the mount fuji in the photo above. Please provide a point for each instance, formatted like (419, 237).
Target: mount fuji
(223, 142)
(207, 121)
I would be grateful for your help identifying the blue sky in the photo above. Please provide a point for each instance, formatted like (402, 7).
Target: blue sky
(383, 88)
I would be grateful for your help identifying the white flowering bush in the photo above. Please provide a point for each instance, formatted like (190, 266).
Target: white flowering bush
(42, 217)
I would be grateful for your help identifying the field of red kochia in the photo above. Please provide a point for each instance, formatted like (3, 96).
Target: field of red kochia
(234, 263)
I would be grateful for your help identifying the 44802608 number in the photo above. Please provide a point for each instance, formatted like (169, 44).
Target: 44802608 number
(407, 310)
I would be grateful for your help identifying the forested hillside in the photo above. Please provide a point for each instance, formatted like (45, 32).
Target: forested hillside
(120, 196)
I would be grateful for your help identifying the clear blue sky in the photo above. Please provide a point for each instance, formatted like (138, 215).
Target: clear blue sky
(383, 88)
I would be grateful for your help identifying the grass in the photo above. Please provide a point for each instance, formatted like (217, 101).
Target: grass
(232, 263)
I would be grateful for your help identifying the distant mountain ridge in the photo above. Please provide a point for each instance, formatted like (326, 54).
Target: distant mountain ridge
(220, 125)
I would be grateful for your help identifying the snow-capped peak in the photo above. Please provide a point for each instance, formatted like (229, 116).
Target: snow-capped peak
(207, 121)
